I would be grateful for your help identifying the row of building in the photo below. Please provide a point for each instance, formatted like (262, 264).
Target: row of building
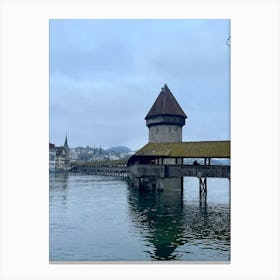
(59, 157)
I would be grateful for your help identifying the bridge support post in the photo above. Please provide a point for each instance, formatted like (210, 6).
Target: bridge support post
(160, 184)
(203, 188)
(136, 182)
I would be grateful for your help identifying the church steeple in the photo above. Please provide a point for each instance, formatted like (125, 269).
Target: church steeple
(66, 142)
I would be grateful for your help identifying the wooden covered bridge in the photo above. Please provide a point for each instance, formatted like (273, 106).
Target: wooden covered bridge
(156, 161)
(165, 160)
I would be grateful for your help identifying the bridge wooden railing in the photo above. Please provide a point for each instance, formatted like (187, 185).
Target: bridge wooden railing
(160, 171)
(173, 171)
(117, 171)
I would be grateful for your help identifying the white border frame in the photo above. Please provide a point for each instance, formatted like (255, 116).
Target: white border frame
(254, 137)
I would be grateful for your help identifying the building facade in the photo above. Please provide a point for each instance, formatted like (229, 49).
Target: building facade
(52, 157)
(59, 157)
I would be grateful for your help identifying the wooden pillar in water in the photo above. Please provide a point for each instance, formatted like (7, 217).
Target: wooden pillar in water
(136, 182)
(160, 184)
(203, 188)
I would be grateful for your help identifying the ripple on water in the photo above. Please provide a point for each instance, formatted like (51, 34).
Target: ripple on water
(98, 218)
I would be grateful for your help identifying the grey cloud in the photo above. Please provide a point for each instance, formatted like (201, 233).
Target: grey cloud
(104, 80)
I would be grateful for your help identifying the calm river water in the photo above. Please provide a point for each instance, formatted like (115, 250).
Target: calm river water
(97, 218)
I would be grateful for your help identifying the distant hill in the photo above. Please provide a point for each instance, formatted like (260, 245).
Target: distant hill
(119, 149)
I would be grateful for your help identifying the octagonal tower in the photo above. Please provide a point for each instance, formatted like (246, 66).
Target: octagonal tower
(165, 119)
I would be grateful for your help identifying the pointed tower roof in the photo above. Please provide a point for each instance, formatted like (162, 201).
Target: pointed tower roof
(166, 104)
(66, 142)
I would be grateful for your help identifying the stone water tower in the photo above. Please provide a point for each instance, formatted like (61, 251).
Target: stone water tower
(165, 119)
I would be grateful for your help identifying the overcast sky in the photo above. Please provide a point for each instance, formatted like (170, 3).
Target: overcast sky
(106, 74)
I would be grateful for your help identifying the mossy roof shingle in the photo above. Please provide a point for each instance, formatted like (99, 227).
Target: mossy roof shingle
(204, 149)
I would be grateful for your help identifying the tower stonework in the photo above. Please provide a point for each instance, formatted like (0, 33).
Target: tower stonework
(165, 119)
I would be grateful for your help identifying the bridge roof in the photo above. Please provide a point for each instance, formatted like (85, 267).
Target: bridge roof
(204, 149)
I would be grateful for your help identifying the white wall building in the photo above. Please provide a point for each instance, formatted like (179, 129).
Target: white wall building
(52, 157)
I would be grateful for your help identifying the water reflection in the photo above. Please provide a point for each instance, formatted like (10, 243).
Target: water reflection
(58, 181)
(159, 216)
(172, 227)
(102, 218)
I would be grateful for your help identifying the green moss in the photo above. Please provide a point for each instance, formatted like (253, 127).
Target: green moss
(214, 149)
